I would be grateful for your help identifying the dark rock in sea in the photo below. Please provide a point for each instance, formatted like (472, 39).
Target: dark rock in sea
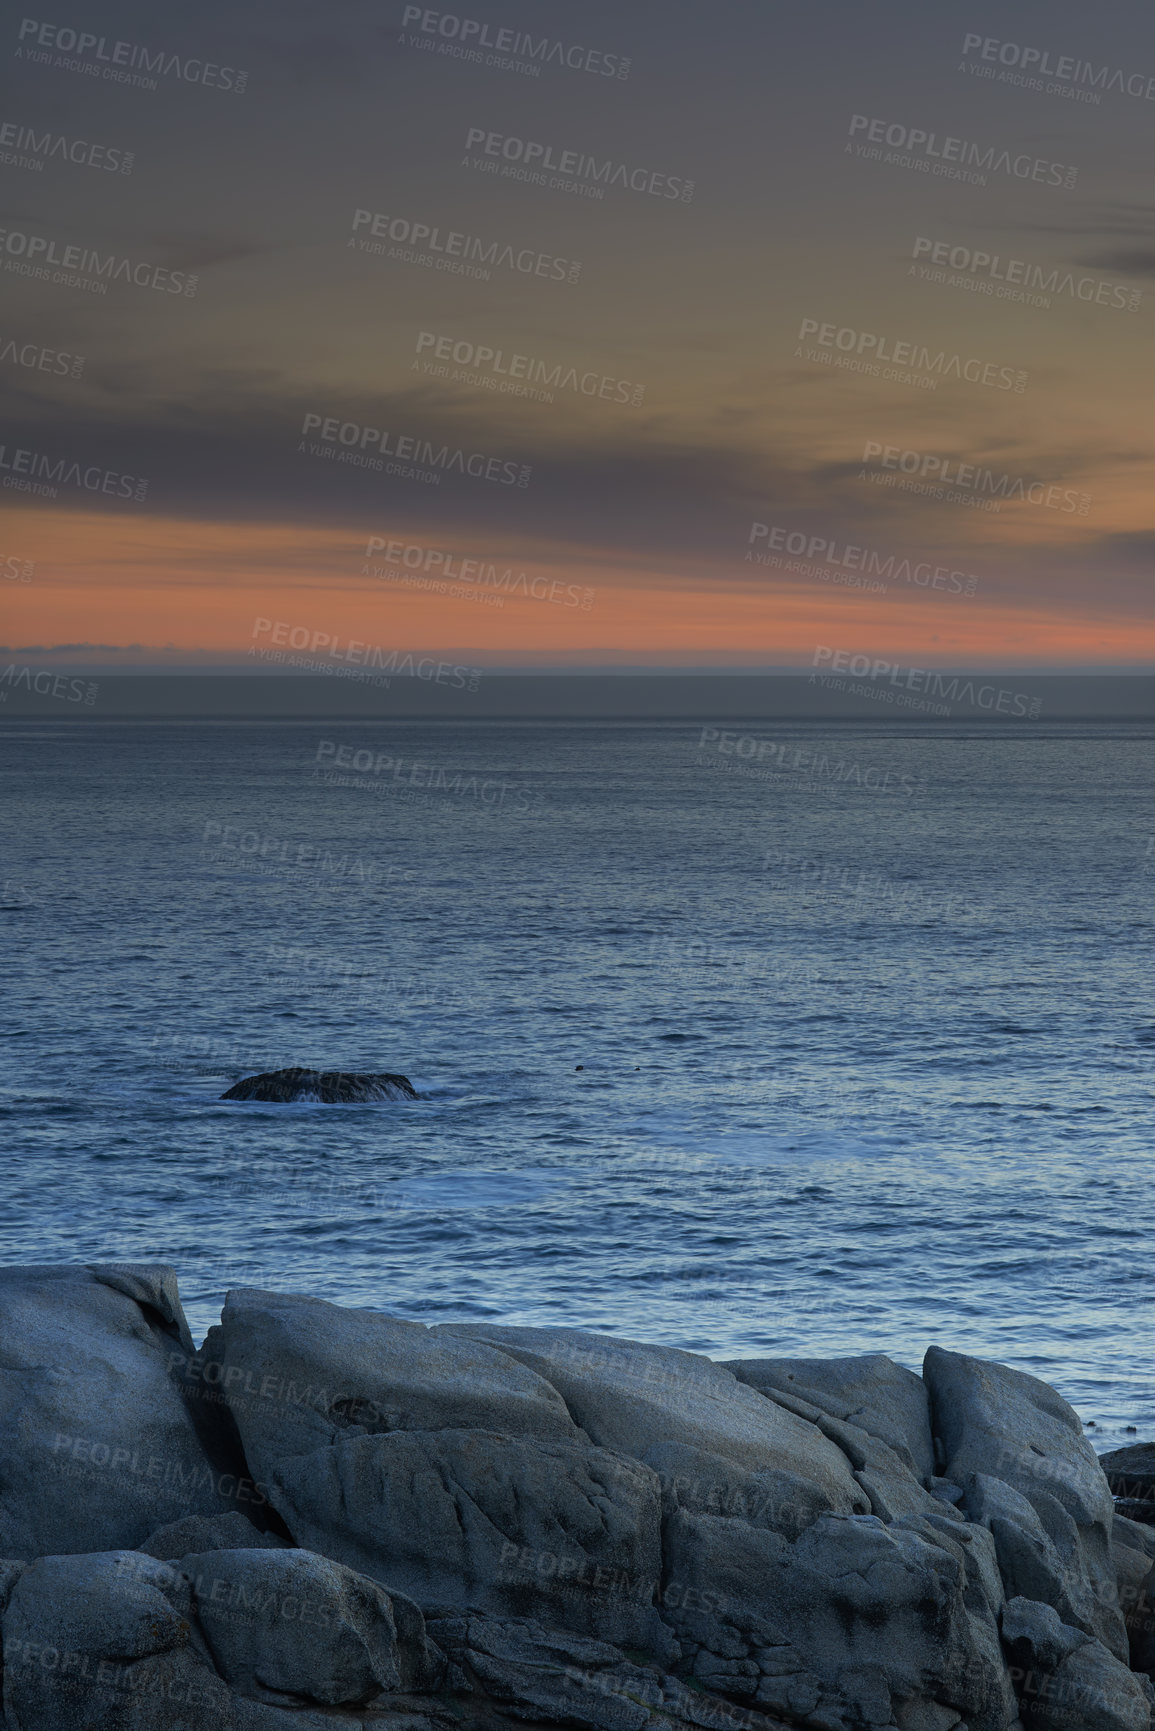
(341, 1520)
(329, 1087)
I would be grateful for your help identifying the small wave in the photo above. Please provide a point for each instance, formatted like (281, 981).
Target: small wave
(438, 1190)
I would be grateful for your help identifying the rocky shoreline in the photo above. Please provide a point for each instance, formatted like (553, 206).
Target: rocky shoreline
(335, 1518)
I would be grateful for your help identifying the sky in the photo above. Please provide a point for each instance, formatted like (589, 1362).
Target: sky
(768, 328)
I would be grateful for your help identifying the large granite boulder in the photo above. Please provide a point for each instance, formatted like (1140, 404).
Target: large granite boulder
(857, 1622)
(1133, 1554)
(636, 1495)
(488, 1526)
(1063, 1674)
(871, 1392)
(120, 1641)
(438, 1465)
(299, 1374)
(325, 1087)
(1018, 1452)
(286, 1625)
(98, 1445)
(103, 1643)
(638, 1398)
(475, 1520)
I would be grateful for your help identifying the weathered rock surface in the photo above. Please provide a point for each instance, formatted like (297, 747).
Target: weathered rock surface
(327, 1087)
(480, 1521)
(287, 1623)
(101, 1642)
(1017, 1449)
(481, 1527)
(97, 1444)
(1063, 1673)
(634, 1398)
(231, 1532)
(872, 1392)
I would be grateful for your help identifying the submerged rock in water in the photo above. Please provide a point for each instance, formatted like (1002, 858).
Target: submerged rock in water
(330, 1087)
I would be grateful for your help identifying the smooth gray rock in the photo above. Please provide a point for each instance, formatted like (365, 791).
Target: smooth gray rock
(231, 1532)
(121, 1641)
(1001, 1424)
(1063, 1674)
(289, 1624)
(1133, 1556)
(98, 1446)
(151, 1285)
(479, 1521)
(299, 1374)
(327, 1087)
(704, 1483)
(605, 1534)
(110, 1602)
(1036, 1637)
(632, 1397)
(887, 1478)
(1132, 1563)
(1032, 1566)
(872, 1392)
(97, 1643)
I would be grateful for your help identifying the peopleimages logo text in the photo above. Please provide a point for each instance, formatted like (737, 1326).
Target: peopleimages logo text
(1041, 62)
(440, 567)
(948, 472)
(535, 160)
(36, 253)
(46, 684)
(472, 33)
(483, 359)
(453, 251)
(56, 145)
(959, 157)
(866, 560)
(407, 774)
(952, 689)
(36, 472)
(40, 359)
(869, 347)
(1015, 272)
(364, 654)
(409, 448)
(111, 59)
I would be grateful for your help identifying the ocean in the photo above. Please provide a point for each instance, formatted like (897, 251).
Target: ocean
(753, 1039)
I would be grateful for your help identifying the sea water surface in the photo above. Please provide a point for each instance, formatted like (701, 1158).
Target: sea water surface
(834, 1040)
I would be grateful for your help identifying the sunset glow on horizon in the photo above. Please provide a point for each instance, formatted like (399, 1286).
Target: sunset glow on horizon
(802, 382)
